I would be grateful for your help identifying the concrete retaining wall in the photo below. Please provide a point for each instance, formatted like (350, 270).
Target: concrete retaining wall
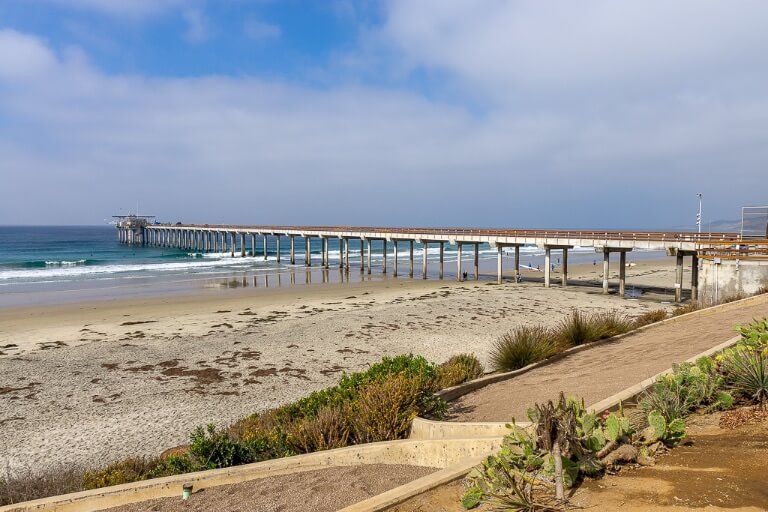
(724, 278)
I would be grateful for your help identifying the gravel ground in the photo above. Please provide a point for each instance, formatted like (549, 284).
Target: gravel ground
(322, 490)
(598, 373)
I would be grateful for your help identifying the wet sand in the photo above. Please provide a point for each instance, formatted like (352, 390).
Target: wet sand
(93, 383)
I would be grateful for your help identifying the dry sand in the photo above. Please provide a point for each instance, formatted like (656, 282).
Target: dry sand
(599, 372)
(322, 490)
(93, 383)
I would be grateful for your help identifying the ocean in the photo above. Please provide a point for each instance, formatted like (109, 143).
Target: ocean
(51, 264)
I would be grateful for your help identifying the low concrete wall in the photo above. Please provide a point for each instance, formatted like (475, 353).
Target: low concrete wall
(439, 453)
(719, 279)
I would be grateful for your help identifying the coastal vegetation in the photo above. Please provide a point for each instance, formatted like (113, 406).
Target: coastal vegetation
(567, 443)
(377, 404)
(530, 344)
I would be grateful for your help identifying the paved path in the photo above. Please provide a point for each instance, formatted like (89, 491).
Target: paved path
(600, 372)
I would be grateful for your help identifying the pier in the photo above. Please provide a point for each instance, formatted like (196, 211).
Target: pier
(243, 240)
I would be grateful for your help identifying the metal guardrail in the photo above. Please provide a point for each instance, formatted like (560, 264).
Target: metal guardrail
(727, 237)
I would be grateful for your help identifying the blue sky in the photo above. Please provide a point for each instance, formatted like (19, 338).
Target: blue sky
(506, 113)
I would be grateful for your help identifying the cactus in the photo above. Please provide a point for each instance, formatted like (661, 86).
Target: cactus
(612, 428)
(658, 424)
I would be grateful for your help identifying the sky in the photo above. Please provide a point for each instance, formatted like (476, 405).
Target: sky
(492, 113)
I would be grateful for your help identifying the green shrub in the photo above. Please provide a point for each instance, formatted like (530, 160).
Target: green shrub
(521, 347)
(471, 498)
(457, 370)
(746, 372)
(173, 465)
(350, 385)
(212, 448)
(649, 317)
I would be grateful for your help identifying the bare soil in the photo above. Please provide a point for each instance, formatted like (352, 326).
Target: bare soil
(604, 370)
(322, 490)
(716, 468)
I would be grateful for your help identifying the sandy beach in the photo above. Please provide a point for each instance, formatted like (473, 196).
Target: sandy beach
(94, 382)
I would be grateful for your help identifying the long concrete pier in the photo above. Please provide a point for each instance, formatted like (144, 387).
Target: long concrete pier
(234, 239)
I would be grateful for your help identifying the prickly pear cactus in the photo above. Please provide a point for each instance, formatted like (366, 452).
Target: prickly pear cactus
(612, 427)
(675, 432)
(658, 424)
(588, 422)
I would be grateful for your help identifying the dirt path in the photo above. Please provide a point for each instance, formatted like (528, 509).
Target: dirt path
(317, 490)
(598, 373)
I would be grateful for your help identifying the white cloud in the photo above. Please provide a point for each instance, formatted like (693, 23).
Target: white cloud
(260, 30)
(548, 146)
(128, 8)
(23, 56)
(197, 26)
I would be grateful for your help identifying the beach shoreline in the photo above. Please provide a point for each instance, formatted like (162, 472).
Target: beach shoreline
(95, 382)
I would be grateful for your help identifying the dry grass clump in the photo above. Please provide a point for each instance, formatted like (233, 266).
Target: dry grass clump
(523, 346)
(384, 410)
(458, 369)
(690, 307)
(579, 328)
(33, 485)
(649, 317)
(328, 430)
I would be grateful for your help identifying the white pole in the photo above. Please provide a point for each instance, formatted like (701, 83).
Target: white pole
(698, 215)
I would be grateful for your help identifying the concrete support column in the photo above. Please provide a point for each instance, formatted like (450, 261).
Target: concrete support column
(308, 251)
(264, 241)
(565, 267)
(341, 252)
(477, 262)
(547, 265)
(384, 261)
(694, 277)
(394, 263)
(425, 247)
(323, 252)
(277, 249)
(346, 254)
(242, 245)
(622, 273)
(679, 277)
(441, 259)
(232, 243)
(292, 239)
(459, 276)
(606, 268)
(253, 244)
(499, 270)
(368, 243)
(362, 256)
(410, 258)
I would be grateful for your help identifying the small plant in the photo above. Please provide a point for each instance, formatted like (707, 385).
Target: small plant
(608, 324)
(576, 329)
(755, 335)
(457, 370)
(471, 498)
(669, 433)
(521, 347)
(746, 372)
(649, 317)
(690, 307)
(688, 387)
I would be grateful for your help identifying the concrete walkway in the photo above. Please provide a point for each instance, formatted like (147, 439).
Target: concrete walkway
(598, 373)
